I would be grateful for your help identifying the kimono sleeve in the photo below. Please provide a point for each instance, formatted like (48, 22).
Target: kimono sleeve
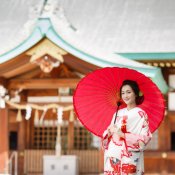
(105, 137)
(138, 142)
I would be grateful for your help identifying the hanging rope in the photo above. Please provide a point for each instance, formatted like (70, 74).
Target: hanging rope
(39, 107)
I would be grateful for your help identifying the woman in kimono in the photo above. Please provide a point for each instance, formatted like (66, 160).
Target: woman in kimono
(125, 139)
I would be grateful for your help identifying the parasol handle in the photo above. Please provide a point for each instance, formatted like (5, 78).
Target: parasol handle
(118, 105)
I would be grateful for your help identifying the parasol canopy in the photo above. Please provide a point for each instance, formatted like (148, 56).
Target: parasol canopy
(96, 96)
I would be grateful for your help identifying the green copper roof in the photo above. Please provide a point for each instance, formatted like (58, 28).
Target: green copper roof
(154, 73)
(149, 56)
(45, 28)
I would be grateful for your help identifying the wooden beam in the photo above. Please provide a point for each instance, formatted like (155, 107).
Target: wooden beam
(29, 74)
(78, 64)
(42, 83)
(19, 70)
(17, 65)
(3, 81)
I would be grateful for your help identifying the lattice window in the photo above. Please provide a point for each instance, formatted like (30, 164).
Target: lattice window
(153, 144)
(45, 135)
(83, 139)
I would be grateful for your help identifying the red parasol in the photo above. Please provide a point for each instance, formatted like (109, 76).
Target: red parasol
(96, 96)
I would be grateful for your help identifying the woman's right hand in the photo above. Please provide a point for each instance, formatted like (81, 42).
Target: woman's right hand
(109, 132)
(112, 129)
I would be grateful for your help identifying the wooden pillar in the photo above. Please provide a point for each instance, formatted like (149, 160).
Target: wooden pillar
(4, 146)
(21, 146)
(71, 120)
(71, 135)
(21, 139)
(164, 134)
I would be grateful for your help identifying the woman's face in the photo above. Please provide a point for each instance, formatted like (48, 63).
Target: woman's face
(128, 95)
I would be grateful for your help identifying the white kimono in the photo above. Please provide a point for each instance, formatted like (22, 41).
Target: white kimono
(125, 155)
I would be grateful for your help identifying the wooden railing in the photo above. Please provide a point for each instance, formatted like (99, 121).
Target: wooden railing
(88, 160)
(155, 162)
(33, 160)
(12, 164)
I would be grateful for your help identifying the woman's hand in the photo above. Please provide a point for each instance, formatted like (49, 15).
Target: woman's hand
(113, 129)
(109, 131)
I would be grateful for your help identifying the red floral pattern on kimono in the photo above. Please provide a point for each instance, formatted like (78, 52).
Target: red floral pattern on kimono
(125, 155)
